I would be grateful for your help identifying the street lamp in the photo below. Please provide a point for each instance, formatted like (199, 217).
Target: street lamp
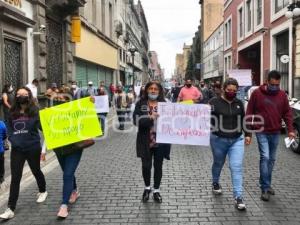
(132, 51)
(293, 10)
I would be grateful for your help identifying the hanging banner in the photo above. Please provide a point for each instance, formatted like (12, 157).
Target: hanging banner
(183, 124)
(69, 123)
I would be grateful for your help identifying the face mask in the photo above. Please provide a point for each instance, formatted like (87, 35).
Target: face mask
(189, 85)
(74, 86)
(90, 85)
(273, 89)
(230, 95)
(22, 99)
(202, 85)
(10, 89)
(152, 97)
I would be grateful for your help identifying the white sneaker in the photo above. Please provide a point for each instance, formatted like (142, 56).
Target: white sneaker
(8, 214)
(42, 197)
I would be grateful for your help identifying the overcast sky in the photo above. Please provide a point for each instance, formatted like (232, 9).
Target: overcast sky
(171, 23)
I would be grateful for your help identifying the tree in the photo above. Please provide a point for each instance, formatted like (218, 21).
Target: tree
(190, 67)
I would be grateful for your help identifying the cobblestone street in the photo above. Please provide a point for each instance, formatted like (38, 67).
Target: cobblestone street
(111, 186)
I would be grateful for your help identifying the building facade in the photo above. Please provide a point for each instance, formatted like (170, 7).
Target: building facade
(211, 18)
(36, 41)
(213, 67)
(179, 70)
(257, 36)
(96, 55)
(155, 69)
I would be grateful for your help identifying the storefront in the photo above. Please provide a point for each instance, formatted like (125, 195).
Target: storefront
(94, 65)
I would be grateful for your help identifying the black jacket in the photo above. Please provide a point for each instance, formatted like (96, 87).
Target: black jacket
(230, 116)
(144, 123)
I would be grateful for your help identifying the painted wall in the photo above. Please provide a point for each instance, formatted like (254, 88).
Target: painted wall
(212, 16)
(104, 54)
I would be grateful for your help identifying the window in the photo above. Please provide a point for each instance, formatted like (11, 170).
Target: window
(227, 63)
(228, 36)
(241, 23)
(110, 20)
(280, 4)
(259, 12)
(103, 15)
(249, 15)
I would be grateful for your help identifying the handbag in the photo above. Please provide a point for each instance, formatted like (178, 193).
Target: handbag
(74, 147)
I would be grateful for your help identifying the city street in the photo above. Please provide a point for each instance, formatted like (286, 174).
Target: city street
(111, 186)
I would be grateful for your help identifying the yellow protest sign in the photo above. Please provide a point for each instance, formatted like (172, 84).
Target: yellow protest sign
(187, 102)
(69, 123)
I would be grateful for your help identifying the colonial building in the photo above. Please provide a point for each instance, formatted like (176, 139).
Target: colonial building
(259, 37)
(181, 62)
(213, 66)
(36, 41)
(156, 71)
(96, 55)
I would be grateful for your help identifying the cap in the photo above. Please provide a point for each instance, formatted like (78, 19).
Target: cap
(90, 83)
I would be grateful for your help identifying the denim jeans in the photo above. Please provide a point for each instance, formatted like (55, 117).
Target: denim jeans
(267, 145)
(69, 164)
(234, 148)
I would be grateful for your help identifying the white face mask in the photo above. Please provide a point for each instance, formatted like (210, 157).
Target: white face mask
(10, 89)
(74, 86)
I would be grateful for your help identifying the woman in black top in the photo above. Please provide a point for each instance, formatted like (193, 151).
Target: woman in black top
(145, 117)
(23, 133)
(227, 139)
(7, 99)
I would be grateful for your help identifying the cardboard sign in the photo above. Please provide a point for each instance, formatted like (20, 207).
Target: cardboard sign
(102, 104)
(242, 76)
(183, 124)
(69, 123)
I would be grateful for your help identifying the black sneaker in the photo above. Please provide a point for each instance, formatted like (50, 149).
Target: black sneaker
(216, 188)
(157, 197)
(271, 191)
(146, 195)
(239, 203)
(265, 196)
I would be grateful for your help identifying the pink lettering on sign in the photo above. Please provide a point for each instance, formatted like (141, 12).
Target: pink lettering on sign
(183, 124)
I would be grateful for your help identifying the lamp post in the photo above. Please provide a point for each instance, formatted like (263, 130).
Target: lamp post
(132, 51)
(293, 9)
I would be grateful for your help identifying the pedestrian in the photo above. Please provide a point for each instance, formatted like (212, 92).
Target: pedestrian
(271, 104)
(102, 116)
(142, 92)
(23, 133)
(76, 92)
(227, 139)
(175, 92)
(51, 94)
(7, 99)
(33, 86)
(189, 92)
(68, 159)
(217, 89)
(145, 117)
(3, 136)
(130, 103)
(90, 91)
(207, 94)
(120, 104)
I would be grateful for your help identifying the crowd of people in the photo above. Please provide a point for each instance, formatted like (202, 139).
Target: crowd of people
(232, 128)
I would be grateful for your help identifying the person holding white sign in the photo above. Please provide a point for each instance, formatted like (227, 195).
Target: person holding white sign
(227, 139)
(145, 117)
(102, 115)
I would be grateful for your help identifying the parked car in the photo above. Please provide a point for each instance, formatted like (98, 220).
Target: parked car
(295, 105)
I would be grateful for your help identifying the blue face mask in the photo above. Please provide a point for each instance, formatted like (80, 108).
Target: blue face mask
(152, 97)
(273, 88)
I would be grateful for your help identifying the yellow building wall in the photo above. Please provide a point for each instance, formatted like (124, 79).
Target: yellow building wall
(212, 16)
(94, 49)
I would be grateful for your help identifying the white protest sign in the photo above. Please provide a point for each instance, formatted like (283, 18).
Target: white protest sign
(102, 104)
(183, 124)
(242, 76)
(137, 90)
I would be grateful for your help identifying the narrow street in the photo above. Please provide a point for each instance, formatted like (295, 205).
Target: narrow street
(111, 186)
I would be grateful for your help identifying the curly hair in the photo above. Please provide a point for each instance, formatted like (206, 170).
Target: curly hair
(161, 97)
